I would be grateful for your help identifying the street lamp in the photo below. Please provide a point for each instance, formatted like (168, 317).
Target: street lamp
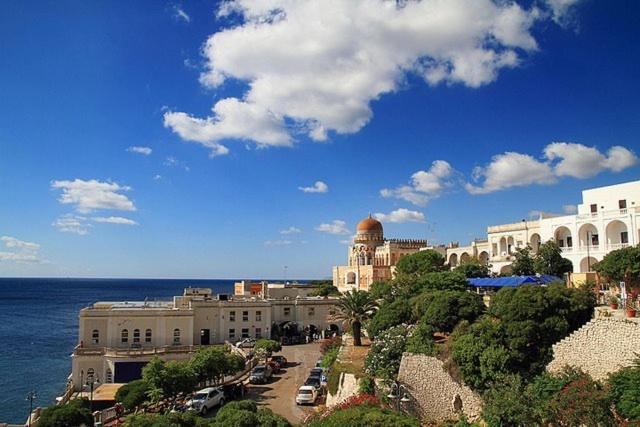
(399, 393)
(91, 381)
(31, 396)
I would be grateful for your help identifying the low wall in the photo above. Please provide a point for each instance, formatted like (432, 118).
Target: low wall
(347, 387)
(435, 395)
(600, 347)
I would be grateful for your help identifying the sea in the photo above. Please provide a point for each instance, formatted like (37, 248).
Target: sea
(39, 329)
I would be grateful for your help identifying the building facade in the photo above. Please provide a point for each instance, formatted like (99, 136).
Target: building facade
(371, 257)
(116, 339)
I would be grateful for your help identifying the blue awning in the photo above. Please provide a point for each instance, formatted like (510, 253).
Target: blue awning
(511, 281)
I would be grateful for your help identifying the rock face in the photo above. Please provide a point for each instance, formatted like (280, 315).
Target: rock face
(600, 347)
(435, 395)
(348, 386)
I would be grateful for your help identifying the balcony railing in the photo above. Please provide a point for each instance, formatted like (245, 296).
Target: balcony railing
(593, 248)
(608, 213)
(141, 351)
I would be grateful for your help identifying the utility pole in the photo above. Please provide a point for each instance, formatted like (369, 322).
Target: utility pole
(588, 259)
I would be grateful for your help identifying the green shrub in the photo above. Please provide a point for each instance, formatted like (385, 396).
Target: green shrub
(367, 385)
(624, 392)
(365, 416)
(132, 394)
(383, 359)
(73, 414)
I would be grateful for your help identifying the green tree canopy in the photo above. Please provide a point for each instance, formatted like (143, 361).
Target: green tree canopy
(213, 363)
(354, 308)
(365, 416)
(133, 394)
(168, 379)
(624, 392)
(73, 414)
(549, 260)
(325, 288)
(390, 314)
(447, 308)
(420, 263)
(473, 268)
(266, 347)
(621, 265)
(523, 264)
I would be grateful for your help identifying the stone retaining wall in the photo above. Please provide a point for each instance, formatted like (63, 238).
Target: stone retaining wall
(600, 347)
(435, 395)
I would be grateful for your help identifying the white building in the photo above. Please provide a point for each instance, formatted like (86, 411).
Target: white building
(607, 219)
(116, 339)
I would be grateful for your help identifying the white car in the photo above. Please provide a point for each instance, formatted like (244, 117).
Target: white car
(206, 399)
(306, 395)
(246, 343)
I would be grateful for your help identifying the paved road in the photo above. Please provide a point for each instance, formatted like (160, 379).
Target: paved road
(279, 394)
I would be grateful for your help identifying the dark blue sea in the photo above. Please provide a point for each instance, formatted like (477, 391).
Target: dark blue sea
(39, 329)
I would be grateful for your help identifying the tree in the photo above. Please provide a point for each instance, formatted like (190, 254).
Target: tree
(410, 286)
(354, 308)
(133, 394)
(389, 314)
(73, 414)
(168, 379)
(624, 392)
(266, 348)
(213, 363)
(621, 265)
(381, 290)
(324, 288)
(383, 359)
(447, 308)
(523, 264)
(549, 260)
(420, 263)
(473, 268)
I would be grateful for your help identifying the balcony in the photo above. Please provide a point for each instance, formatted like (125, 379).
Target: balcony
(130, 352)
(610, 213)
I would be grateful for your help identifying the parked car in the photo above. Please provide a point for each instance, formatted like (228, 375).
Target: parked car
(314, 382)
(319, 373)
(206, 399)
(280, 359)
(275, 366)
(246, 343)
(306, 395)
(260, 374)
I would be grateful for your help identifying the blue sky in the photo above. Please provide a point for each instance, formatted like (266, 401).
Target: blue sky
(360, 96)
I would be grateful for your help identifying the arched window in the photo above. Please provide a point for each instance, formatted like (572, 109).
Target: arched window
(90, 374)
(109, 377)
(95, 337)
(136, 335)
(176, 336)
(124, 336)
(147, 335)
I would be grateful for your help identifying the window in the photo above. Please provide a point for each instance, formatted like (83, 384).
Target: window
(232, 333)
(258, 316)
(147, 335)
(624, 237)
(312, 311)
(109, 377)
(232, 316)
(594, 240)
(561, 243)
(124, 336)
(569, 242)
(287, 311)
(176, 336)
(245, 316)
(245, 332)
(258, 333)
(95, 337)
(594, 208)
(90, 374)
(622, 204)
(136, 335)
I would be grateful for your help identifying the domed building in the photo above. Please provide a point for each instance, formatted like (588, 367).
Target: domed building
(371, 257)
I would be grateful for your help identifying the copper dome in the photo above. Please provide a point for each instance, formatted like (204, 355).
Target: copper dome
(370, 225)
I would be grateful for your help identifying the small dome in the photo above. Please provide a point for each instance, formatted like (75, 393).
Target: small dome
(370, 225)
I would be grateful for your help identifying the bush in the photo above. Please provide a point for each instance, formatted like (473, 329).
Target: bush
(365, 415)
(329, 344)
(624, 392)
(133, 394)
(383, 359)
(73, 414)
(447, 308)
(389, 315)
(420, 263)
(473, 268)
(367, 385)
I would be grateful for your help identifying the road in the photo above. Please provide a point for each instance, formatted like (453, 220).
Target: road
(279, 394)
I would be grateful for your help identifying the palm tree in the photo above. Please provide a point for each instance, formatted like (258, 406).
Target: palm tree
(355, 307)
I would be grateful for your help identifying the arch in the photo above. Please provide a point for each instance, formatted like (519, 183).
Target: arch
(136, 336)
(617, 234)
(563, 237)
(506, 269)
(176, 336)
(586, 264)
(351, 278)
(148, 335)
(510, 245)
(453, 260)
(534, 242)
(503, 246)
(465, 258)
(588, 236)
(124, 336)
(334, 328)
(483, 257)
(95, 337)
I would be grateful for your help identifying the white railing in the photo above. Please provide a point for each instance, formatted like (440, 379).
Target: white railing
(614, 246)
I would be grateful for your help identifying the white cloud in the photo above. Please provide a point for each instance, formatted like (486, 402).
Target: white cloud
(172, 161)
(560, 9)
(424, 185)
(72, 224)
(278, 242)
(19, 250)
(401, 216)
(87, 196)
(145, 151)
(314, 69)
(580, 161)
(570, 209)
(114, 220)
(510, 170)
(157, 177)
(335, 227)
(290, 230)
(180, 14)
(317, 187)
(560, 159)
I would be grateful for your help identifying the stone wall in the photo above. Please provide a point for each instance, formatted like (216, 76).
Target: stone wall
(347, 387)
(600, 347)
(435, 395)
